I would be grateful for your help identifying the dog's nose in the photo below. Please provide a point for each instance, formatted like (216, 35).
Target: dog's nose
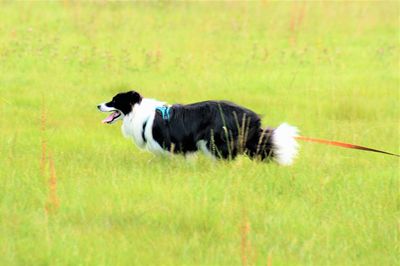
(98, 106)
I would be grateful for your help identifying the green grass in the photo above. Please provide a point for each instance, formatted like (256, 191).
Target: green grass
(329, 68)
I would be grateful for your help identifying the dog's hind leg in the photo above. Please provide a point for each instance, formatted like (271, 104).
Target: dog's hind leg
(259, 145)
(205, 147)
(222, 149)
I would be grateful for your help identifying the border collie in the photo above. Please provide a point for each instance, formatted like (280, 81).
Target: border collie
(220, 129)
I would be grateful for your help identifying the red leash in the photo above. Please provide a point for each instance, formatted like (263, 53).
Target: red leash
(343, 144)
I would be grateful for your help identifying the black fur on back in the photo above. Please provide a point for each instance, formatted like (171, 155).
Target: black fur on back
(228, 129)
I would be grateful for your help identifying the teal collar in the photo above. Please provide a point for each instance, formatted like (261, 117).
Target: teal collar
(165, 110)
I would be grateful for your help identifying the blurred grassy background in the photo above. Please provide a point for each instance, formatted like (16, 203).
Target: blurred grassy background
(332, 69)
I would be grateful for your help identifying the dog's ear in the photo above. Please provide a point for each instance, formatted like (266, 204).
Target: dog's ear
(134, 97)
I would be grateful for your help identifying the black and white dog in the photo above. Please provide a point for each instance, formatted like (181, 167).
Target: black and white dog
(220, 129)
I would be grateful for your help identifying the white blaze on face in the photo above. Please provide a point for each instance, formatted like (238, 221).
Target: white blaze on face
(113, 117)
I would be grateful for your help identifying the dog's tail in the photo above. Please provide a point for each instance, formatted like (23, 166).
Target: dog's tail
(278, 144)
(284, 144)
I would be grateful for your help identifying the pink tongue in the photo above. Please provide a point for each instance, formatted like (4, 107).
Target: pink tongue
(109, 118)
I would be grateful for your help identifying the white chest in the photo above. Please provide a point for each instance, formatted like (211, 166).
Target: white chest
(139, 124)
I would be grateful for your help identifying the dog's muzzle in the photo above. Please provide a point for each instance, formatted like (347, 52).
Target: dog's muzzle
(113, 117)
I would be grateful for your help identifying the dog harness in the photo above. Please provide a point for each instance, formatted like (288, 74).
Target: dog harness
(164, 112)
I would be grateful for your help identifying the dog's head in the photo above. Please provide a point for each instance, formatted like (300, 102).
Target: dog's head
(120, 105)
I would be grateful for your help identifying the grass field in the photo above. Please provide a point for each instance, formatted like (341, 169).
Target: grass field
(75, 192)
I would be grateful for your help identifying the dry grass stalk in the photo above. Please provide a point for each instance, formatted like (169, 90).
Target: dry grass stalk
(245, 243)
(301, 14)
(240, 142)
(43, 126)
(53, 202)
(296, 19)
(213, 146)
(269, 259)
(260, 140)
(66, 3)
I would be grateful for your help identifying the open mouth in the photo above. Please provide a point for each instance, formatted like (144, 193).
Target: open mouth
(112, 117)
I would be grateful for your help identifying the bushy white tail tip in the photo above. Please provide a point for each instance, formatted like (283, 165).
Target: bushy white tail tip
(284, 143)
